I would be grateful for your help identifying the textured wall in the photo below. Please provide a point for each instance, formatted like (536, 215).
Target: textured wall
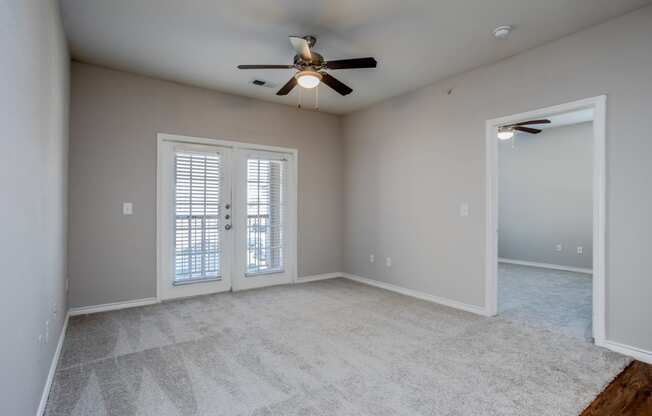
(33, 182)
(413, 159)
(115, 119)
(545, 196)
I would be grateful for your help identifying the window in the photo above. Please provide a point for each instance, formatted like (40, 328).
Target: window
(266, 215)
(197, 203)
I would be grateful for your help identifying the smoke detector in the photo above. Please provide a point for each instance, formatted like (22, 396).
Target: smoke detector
(502, 32)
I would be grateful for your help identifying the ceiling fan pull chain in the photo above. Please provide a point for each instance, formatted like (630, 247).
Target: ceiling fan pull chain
(317, 98)
(300, 96)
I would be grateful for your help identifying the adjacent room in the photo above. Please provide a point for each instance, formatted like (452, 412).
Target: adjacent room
(545, 222)
(364, 207)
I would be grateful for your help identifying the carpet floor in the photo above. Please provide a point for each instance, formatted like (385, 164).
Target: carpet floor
(557, 300)
(331, 347)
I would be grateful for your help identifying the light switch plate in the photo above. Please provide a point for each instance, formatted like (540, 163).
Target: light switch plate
(464, 209)
(127, 208)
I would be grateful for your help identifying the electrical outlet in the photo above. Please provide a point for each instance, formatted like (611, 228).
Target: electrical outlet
(559, 247)
(464, 209)
(580, 250)
(372, 258)
(127, 208)
(388, 262)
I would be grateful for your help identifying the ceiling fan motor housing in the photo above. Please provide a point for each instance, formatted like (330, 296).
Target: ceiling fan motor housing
(311, 40)
(317, 60)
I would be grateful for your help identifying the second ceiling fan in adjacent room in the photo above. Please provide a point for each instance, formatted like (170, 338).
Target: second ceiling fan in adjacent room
(508, 131)
(312, 66)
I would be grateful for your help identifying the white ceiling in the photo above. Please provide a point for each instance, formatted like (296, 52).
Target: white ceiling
(416, 42)
(568, 119)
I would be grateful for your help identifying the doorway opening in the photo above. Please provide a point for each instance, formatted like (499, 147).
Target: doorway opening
(545, 218)
(226, 216)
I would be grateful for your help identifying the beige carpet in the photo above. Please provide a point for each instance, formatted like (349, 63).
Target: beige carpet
(557, 300)
(325, 348)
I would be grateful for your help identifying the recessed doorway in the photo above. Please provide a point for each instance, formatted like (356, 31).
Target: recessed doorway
(545, 218)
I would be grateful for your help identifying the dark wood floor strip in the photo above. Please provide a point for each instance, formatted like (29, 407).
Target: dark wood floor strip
(629, 394)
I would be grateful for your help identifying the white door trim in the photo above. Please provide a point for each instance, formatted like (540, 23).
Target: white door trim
(235, 145)
(598, 104)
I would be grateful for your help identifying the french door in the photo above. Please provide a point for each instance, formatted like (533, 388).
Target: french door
(227, 216)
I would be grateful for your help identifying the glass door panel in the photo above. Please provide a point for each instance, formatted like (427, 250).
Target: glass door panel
(196, 206)
(264, 244)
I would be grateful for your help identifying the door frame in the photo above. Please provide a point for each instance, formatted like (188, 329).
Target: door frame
(161, 253)
(598, 104)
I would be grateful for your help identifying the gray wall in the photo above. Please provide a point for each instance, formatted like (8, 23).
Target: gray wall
(545, 196)
(413, 159)
(114, 122)
(33, 176)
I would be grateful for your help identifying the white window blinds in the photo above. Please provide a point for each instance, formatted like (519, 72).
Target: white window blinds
(197, 205)
(266, 215)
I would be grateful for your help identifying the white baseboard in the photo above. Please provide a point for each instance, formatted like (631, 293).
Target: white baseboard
(478, 310)
(546, 266)
(316, 277)
(53, 369)
(636, 353)
(83, 310)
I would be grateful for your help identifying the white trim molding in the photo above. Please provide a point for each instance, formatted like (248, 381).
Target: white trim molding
(316, 277)
(598, 104)
(478, 310)
(53, 368)
(636, 353)
(83, 310)
(546, 266)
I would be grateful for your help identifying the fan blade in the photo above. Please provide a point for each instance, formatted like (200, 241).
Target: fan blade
(301, 47)
(527, 129)
(524, 123)
(335, 84)
(285, 89)
(265, 66)
(352, 63)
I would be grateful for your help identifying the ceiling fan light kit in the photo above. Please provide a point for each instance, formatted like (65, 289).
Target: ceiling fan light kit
(505, 133)
(308, 79)
(312, 67)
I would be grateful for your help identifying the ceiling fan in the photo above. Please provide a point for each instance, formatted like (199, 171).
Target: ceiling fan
(508, 131)
(312, 67)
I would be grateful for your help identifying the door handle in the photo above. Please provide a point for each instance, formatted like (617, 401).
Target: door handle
(227, 227)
